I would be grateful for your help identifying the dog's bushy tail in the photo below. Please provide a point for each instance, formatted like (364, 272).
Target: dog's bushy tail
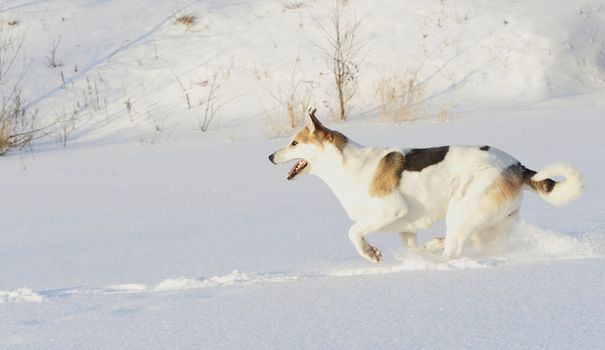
(557, 193)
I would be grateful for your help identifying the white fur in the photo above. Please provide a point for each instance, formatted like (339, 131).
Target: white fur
(565, 191)
(460, 189)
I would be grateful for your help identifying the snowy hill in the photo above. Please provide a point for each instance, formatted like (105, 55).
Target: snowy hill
(129, 67)
(197, 241)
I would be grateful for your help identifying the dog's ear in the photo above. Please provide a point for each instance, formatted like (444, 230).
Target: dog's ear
(312, 122)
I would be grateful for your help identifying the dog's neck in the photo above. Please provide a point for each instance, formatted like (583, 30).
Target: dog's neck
(334, 165)
(349, 173)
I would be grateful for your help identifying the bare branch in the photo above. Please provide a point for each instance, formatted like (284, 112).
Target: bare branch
(342, 50)
(11, 43)
(18, 128)
(52, 57)
(295, 97)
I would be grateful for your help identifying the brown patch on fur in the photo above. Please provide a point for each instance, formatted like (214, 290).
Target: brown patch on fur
(507, 186)
(321, 135)
(388, 174)
(544, 186)
(334, 137)
(306, 136)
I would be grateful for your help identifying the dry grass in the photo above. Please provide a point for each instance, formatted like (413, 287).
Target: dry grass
(186, 20)
(295, 108)
(5, 143)
(399, 99)
(275, 128)
(444, 112)
(293, 5)
(295, 96)
(17, 128)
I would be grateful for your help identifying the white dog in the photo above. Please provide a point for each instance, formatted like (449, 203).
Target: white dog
(476, 189)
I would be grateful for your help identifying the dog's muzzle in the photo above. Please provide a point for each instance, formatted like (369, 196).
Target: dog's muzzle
(271, 158)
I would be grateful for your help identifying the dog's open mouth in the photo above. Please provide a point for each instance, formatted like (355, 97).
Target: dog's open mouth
(297, 168)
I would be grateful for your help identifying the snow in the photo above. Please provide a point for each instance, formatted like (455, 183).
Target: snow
(463, 54)
(135, 246)
(136, 238)
(21, 295)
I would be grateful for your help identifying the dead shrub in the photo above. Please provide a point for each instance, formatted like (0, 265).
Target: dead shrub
(51, 59)
(342, 48)
(17, 128)
(186, 20)
(293, 5)
(399, 99)
(295, 96)
(444, 112)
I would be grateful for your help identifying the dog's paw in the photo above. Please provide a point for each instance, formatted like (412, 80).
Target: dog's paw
(435, 244)
(372, 254)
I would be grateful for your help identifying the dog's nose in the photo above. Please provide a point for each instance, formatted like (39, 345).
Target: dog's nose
(271, 158)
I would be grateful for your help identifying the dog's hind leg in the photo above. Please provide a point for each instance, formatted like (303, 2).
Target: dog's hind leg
(481, 222)
(494, 240)
(408, 239)
(435, 244)
(463, 220)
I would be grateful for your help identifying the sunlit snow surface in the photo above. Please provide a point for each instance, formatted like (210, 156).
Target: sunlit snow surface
(198, 242)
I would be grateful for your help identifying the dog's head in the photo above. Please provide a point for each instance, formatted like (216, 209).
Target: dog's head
(308, 145)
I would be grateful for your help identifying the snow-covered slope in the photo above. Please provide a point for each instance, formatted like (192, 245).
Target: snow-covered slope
(198, 241)
(130, 69)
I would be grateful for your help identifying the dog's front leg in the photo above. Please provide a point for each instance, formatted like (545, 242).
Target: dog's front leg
(362, 228)
(356, 235)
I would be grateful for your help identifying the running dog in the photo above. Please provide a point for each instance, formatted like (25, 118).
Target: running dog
(478, 190)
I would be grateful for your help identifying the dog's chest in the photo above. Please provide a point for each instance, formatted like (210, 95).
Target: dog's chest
(351, 189)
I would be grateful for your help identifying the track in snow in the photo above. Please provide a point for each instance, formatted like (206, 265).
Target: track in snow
(528, 244)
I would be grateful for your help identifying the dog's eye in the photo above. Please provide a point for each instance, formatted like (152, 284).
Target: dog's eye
(294, 143)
